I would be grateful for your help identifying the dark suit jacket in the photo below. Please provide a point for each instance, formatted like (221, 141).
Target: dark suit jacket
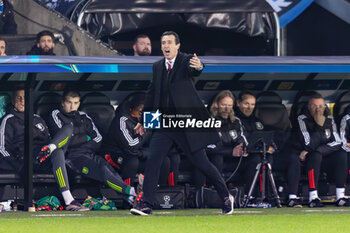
(183, 95)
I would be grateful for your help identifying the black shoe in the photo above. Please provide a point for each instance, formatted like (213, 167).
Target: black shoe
(228, 205)
(140, 208)
(315, 203)
(295, 203)
(343, 202)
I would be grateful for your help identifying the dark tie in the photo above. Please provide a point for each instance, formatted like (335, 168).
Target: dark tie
(169, 66)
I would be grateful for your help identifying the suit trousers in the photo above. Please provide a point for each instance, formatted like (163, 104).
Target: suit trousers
(161, 143)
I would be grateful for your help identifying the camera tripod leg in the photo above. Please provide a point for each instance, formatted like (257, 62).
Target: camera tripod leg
(263, 181)
(245, 202)
(273, 185)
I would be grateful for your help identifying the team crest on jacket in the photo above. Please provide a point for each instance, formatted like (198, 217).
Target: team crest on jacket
(233, 134)
(259, 125)
(328, 133)
(40, 127)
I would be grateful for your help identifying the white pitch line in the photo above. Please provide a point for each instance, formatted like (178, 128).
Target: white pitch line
(58, 215)
(164, 213)
(248, 212)
(340, 210)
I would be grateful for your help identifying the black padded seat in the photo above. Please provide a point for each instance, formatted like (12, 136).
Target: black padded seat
(300, 101)
(46, 103)
(274, 116)
(99, 108)
(268, 97)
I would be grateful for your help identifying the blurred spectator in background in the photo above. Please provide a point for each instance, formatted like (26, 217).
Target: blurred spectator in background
(2, 48)
(142, 45)
(45, 43)
(7, 20)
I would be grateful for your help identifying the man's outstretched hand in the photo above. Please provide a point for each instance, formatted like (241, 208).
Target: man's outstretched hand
(196, 63)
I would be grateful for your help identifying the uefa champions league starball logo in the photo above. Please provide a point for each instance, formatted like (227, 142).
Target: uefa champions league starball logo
(166, 198)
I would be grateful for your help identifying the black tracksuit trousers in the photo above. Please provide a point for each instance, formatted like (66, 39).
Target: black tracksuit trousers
(161, 142)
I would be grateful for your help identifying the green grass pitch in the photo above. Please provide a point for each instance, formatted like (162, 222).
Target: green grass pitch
(329, 219)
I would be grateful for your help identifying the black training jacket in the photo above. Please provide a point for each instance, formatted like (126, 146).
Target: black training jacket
(309, 136)
(122, 138)
(250, 124)
(86, 137)
(12, 137)
(231, 134)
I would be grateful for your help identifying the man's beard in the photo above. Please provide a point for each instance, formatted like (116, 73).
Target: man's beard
(48, 52)
(145, 52)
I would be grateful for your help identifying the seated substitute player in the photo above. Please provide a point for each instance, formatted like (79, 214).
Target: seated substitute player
(282, 161)
(232, 140)
(80, 154)
(12, 148)
(344, 129)
(318, 145)
(128, 151)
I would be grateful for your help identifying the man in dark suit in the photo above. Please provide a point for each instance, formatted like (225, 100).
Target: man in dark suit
(172, 89)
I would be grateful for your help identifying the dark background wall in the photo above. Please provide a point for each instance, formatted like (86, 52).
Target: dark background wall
(317, 32)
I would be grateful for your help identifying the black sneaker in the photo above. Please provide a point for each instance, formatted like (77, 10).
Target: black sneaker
(228, 205)
(140, 208)
(295, 203)
(343, 202)
(76, 206)
(315, 203)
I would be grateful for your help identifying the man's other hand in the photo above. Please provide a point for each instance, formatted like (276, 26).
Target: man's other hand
(139, 129)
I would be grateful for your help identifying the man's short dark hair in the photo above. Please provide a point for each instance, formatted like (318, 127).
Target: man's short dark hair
(17, 87)
(137, 100)
(73, 93)
(44, 33)
(168, 33)
(243, 93)
(140, 36)
(316, 96)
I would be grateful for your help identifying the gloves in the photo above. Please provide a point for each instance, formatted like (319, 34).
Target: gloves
(43, 154)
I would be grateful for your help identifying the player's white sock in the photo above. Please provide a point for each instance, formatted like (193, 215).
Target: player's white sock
(52, 147)
(313, 195)
(292, 196)
(67, 196)
(340, 193)
(133, 192)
